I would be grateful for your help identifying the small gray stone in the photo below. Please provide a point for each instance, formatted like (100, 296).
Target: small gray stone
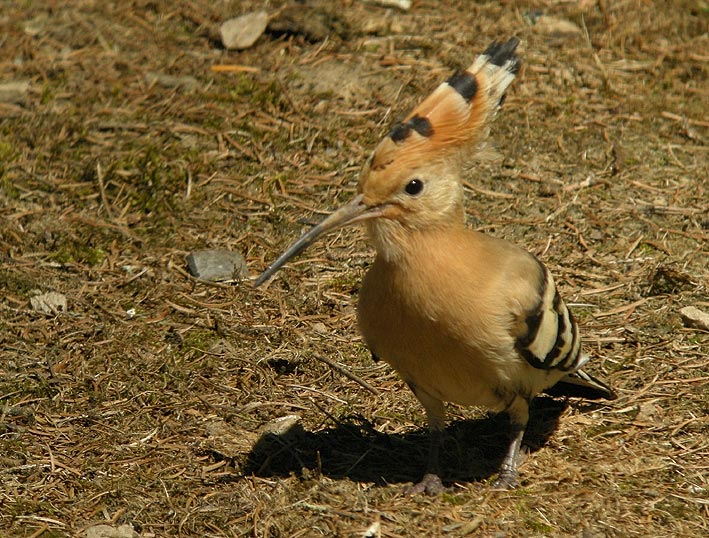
(217, 265)
(14, 92)
(107, 531)
(49, 303)
(38, 25)
(556, 27)
(404, 5)
(274, 436)
(242, 32)
(695, 318)
(286, 426)
(320, 328)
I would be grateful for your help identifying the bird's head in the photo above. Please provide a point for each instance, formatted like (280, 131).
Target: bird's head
(413, 180)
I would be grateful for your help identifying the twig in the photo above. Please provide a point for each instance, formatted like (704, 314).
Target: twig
(288, 98)
(530, 177)
(188, 190)
(40, 531)
(588, 182)
(677, 117)
(232, 68)
(102, 190)
(621, 309)
(487, 192)
(347, 373)
(316, 391)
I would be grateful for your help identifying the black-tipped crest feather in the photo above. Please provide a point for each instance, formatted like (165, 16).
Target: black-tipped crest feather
(501, 53)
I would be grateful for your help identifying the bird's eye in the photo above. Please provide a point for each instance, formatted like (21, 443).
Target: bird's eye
(414, 187)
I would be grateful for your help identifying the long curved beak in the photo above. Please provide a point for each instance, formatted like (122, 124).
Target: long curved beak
(354, 211)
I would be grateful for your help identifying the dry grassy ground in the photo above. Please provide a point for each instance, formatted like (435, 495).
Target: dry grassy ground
(142, 402)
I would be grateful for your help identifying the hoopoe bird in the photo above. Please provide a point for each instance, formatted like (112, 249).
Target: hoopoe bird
(463, 317)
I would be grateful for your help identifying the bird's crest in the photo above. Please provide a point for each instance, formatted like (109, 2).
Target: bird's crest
(454, 117)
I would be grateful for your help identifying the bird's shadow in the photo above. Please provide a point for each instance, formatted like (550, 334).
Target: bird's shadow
(472, 450)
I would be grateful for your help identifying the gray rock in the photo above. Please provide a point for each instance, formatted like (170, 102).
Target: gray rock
(286, 426)
(50, 303)
(695, 318)
(38, 25)
(242, 32)
(217, 265)
(557, 27)
(107, 531)
(15, 91)
(275, 435)
(404, 5)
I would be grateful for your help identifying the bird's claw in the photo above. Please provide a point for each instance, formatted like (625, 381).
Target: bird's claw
(430, 484)
(508, 479)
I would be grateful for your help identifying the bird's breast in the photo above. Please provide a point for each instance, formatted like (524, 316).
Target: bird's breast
(436, 335)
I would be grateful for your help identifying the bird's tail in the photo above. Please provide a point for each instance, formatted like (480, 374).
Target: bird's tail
(579, 384)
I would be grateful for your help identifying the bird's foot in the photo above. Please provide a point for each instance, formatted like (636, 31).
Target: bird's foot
(430, 485)
(508, 479)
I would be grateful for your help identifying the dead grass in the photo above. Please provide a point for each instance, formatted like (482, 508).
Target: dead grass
(142, 403)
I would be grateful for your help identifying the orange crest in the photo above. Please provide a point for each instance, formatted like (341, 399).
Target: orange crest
(454, 117)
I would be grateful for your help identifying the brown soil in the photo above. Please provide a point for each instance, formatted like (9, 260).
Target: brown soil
(142, 403)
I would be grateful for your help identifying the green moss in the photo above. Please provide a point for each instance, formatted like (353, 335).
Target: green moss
(258, 94)
(454, 500)
(346, 281)
(595, 431)
(646, 249)
(582, 312)
(8, 154)
(200, 339)
(521, 493)
(156, 180)
(47, 94)
(38, 387)
(672, 509)
(538, 526)
(73, 253)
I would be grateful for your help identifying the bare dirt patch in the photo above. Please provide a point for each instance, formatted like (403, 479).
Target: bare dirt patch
(142, 402)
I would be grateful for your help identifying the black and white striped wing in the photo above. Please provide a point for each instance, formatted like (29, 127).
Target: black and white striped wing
(551, 339)
(552, 342)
